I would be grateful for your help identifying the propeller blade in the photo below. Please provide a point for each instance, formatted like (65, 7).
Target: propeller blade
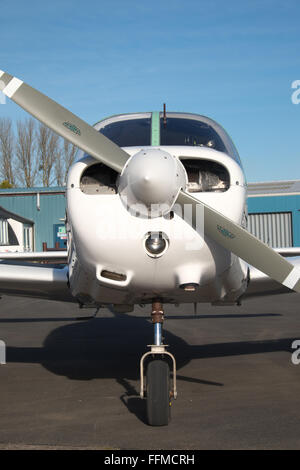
(240, 242)
(63, 122)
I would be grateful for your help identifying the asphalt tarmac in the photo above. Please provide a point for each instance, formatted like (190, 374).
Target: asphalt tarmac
(74, 384)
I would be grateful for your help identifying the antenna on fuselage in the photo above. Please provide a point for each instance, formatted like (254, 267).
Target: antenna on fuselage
(165, 116)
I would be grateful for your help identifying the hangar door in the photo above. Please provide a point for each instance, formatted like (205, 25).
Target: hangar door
(274, 229)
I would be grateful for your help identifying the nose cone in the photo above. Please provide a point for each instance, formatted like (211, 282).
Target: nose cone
(151, 177)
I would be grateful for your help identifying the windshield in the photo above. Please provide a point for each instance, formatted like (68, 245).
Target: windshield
(177, 131)
(129, 133)
(195, 130)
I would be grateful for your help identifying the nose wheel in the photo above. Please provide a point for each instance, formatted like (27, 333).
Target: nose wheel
(159, 389)
(158, 393)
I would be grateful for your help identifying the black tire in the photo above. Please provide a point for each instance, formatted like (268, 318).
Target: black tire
(158, 393)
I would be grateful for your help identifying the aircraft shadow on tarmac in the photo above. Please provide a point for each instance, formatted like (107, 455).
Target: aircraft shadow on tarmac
(112, 347)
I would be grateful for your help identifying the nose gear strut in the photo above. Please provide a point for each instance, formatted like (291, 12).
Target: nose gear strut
(158, 390)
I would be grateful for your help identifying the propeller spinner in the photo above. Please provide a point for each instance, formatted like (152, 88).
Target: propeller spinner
(150, 182)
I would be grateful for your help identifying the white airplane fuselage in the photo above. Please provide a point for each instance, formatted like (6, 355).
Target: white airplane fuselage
(108, 262)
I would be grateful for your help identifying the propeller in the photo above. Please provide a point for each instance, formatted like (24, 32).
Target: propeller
(239, 241)
(216, 226)
(63, 122)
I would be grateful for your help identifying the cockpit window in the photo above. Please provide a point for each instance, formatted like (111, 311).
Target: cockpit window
(179, 131)
(129, 133)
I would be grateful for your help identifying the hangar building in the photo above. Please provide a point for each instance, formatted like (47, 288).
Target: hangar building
(274, 212)
(37, 215)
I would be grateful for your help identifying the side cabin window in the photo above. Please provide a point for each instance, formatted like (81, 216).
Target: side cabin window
(205, 176)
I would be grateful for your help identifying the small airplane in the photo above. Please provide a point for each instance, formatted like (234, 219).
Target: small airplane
(156, 214)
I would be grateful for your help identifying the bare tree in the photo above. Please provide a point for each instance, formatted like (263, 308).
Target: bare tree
(27, 165)
(48, 151)
(69, 151)
(36, 155)
(7, 151)
(59, 170)
(63, 162)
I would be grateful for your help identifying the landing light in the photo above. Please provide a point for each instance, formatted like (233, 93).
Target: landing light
(156, 243)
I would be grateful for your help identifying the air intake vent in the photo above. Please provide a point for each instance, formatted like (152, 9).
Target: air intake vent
(113, 276)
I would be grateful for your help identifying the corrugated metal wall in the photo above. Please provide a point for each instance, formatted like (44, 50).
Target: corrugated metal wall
(46, 216)
(274, 229)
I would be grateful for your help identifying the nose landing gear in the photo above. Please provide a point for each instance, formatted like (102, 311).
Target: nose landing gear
(158, 385)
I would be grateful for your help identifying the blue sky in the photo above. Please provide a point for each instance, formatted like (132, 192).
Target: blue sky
(233, 61)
